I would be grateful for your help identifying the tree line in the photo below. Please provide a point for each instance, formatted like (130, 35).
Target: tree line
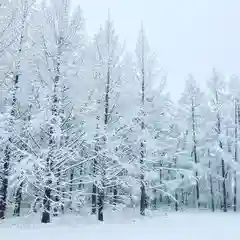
(86, 125)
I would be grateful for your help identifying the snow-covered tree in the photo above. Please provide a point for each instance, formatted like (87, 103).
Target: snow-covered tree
(219, 109)
(191, 109)
(233, 135)
(104, 93)
(17, 53)
(57, 38)
(152, 122)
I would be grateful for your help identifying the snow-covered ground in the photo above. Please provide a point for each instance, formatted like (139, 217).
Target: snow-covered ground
(180, 226)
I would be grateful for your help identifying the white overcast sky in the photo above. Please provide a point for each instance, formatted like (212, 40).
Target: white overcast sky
(189, 36)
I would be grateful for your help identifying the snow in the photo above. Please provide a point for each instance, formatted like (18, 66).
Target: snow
(181, 226)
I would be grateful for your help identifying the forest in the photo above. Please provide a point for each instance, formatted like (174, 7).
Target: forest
(87, 126)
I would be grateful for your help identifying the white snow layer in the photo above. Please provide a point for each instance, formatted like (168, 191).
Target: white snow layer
(179, 226)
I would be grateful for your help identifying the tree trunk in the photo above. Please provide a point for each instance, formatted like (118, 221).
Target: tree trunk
(211, 188)
(142, 188)
(143, 199)
(47, 190)
(195, 151)
(161, 176)
(154, 205)
(219, 191)
(71, 188)
(46, 205)
(176, 201)
(224, 187)
(56, 209)
(100, 204)
(115, 193)
(182, 193)
(4, 187)
(94, 187)
(197, 190)
(168, 178)
(235, 193)
(18, 200)
(94, 199)
(224, 192)
(236, 154)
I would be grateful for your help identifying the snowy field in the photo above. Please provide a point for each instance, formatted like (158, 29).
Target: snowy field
(180, 226)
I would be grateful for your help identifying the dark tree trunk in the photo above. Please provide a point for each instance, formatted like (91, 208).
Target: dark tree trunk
(182, 193)
(143, 199)
(46, 206)
(176, 193)
(57, 207)
(62, 207)
(94, 199)
(224, 187)
(115, 193)
(81, 184)
(18, 200)
(161, 176)
(154, 204)
(4, 187)
(176, 201)
(197, 190)
(142, 188)
(47, 190)
(168, 177)
(115, 190)
(235, 193)
(71, 187)
(219, 191)
(211, 188)
(94, 187)
(100, 204)
(182, 197)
